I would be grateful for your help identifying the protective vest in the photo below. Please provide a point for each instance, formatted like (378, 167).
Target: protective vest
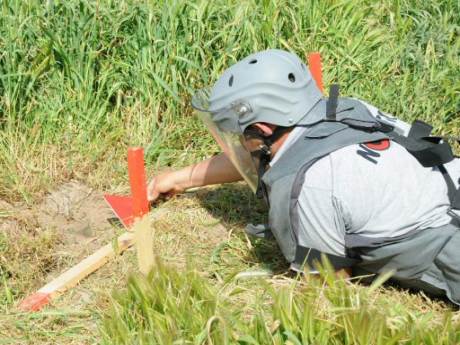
(345, 122)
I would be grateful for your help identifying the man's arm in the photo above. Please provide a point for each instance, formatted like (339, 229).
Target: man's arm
(215, 170)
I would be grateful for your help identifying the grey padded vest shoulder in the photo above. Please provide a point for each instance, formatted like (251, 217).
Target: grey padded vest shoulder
(353, 125)
(331, 125)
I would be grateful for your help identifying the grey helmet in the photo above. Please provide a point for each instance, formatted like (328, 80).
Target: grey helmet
(272, 86)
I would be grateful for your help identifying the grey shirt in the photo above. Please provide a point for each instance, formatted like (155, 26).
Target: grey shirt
(370, 191)
(390, 196)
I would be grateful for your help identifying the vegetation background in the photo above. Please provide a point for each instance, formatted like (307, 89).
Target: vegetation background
(81, 81)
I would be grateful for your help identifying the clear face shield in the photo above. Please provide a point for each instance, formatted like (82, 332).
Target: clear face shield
(224, 127)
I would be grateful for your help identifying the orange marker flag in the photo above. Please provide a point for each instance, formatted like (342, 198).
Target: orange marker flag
(137, 181)
(143, 232)
(314, 63)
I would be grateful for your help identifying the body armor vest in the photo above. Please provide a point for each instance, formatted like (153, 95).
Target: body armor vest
(350, 123)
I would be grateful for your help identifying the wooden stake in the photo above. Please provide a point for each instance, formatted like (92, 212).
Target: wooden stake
(143, 233)
(71, 277)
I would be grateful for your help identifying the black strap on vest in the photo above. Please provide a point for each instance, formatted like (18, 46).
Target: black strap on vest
(263, 156)
(331, 105)
(420, 129)
(451, 190)
(429, 151)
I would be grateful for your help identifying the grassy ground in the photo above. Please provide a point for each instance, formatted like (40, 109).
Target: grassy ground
(81, 81)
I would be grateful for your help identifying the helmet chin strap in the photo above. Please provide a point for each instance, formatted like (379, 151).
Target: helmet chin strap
(264, 155)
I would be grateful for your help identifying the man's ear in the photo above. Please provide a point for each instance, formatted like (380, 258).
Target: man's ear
(266, 128)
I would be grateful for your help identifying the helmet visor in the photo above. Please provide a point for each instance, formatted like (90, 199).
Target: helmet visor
(223, 126)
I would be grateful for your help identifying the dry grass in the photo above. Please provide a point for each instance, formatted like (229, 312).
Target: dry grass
(203, 230)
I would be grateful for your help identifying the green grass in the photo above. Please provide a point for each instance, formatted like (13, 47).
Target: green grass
(171, 307)
(80, 81)
(88, 79)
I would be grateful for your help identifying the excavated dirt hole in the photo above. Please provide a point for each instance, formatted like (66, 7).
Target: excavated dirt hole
(79, 213)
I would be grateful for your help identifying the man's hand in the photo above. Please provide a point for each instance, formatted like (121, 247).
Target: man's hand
(215, 170)
(164, 185)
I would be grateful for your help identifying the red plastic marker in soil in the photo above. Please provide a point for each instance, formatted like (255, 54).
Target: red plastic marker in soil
(122, 206)
(314, 63)
(126, 208)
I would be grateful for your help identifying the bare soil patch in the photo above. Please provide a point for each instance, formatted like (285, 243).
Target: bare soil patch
(70, 223)
(77, 211)
(38, 242)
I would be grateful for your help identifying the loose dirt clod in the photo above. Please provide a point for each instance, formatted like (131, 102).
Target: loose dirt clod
(76, 211)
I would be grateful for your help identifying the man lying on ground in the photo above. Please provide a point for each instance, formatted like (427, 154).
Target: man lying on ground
(342, 179)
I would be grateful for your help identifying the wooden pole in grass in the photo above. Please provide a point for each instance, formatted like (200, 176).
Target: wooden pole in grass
(74, 275)
(142, 225)
(314, 63)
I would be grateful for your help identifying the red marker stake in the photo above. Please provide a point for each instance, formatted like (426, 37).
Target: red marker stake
(137, 180)
(314, 63)
(142, 227)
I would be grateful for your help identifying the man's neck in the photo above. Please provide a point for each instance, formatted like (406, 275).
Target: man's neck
(277, 144)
